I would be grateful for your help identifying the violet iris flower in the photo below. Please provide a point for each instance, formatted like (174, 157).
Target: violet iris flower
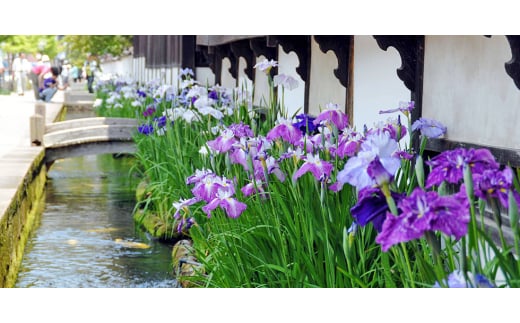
(224, 142)
(305, 123)
(224, 199)
(320, 169)
(348, 144)
(183, 204)
(149, 111)
(448, 165)
(161, 121)
(457, 280)
(198, 176)
(145, 129)
(286, 81)
(286, 131)
(378, 145)
(241, 130)
(421, 212)
(266, 65)
(429, 128)
(495, 184)
(372, 207)
(207, 188)
(141, 93)
(332, 115)
(404, 107)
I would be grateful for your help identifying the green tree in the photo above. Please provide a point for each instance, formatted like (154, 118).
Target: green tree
(78, 46)
(30, 44)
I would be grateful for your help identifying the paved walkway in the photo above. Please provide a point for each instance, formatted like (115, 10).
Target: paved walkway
(16, 151)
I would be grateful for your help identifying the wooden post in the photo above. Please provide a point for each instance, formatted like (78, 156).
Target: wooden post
(37, 124)
(39, 108)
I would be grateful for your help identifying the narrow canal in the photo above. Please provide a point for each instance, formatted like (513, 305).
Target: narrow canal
(86, 236)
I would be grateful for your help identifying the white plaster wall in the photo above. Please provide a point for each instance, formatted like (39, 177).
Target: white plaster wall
(228, 80)
(324, 86)
(287, 64)
(205, 76)
(121, 67)
(243, 81)
(261, 90)
(376, 84)
(467, 89)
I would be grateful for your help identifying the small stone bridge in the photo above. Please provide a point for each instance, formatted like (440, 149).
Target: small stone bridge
(87, 136)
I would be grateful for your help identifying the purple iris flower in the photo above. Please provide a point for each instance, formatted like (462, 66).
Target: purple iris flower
(378, 172)
(145, 129)
(457, 280)
(305, 123)
(224, 142)
(372, 207)
(208, 187)
(429, 128)
(224, 199)
(185, 72)
(348, 144)
(286, 131)
(496, 184)
(198, 176)
(161, 121)
(448, 165)
(404, 107)
(213, 95)
(319, 168)
(393, 127)
(424, 211)
(149, 111)
(183, 204)
(378, 145)
(185, 224)
(250, 188)
(263, 162)
(241, 130)
(141, 93)
(334, 116)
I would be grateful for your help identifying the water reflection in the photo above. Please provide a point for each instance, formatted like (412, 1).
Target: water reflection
(86, 236)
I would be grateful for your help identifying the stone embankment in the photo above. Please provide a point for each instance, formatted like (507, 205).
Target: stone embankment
(22, 177)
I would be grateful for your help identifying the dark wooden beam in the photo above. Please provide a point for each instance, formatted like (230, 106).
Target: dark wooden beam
(301, 46)
(411, 71)
(259, 47)
(407, 48)
(513, 65)
(188, 52)
(340, 46)
(242, 48)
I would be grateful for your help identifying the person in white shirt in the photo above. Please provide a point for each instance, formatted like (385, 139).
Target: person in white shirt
(21, 67)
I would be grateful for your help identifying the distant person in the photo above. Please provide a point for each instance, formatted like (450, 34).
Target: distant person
(20, 69)
(91, 67)
(80, 74)
(74, 73)
(42, 67)
(50, 85)
(65, 72)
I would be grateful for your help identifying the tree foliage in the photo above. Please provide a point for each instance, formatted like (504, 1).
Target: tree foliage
(31, 44)
(75, 47)
(98, 44)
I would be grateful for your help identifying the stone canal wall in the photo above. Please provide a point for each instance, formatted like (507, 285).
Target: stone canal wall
(18, 220)
(22, 186)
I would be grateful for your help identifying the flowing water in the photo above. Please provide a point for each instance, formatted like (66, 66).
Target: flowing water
(86, 236)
